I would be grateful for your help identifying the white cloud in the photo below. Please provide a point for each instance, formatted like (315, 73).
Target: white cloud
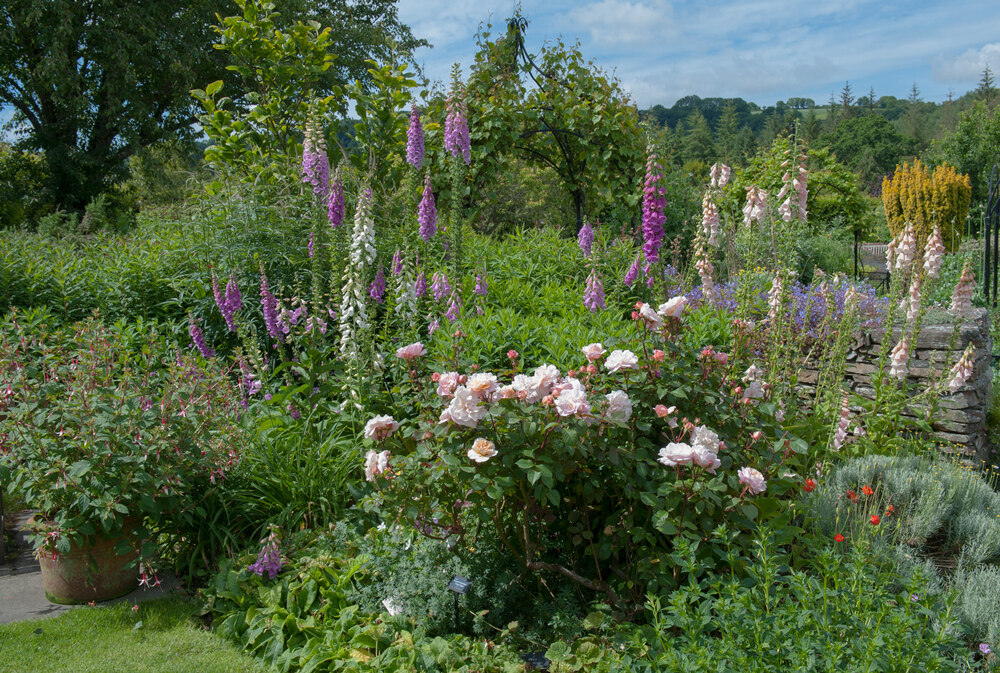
(969, 65)
(614, 24)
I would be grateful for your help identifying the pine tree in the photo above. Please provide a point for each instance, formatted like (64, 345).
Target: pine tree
(986, 91)
(846, 100)
(726, 131)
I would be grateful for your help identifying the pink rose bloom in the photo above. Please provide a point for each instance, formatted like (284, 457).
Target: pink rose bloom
(659, 355)
(650, 317)
(722, 358)
(593, 352)
(572, 400)
(482, 384)
(512, 354)
(447, 383)
(464, 409)
(675, 454)
(411, 352)
(508, 393)
(380, 427)
(753, 480)
(547, 374)
(662, 411)
(482, 450)
(375, 464)
(673, 308)
(619, 360)
(619, 406)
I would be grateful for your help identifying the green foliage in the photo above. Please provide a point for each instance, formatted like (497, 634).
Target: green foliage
(306, 621)
(974, 147)
(102, 433)
(93, 83)
(868, 145)
(279, 70)
(557, 111)
(852, 612)
(22, 176)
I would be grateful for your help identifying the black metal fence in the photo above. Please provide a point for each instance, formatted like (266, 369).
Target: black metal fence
(991, 254)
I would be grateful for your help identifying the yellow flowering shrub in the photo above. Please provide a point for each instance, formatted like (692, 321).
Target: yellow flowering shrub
(916, 195)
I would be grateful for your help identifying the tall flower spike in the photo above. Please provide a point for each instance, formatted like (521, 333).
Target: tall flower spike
(585, 239)
(231, 303)
(415, 139)
(900, 358)
(454, 306)
(456, 125)
(961, 298)
(962, 371)
(633, 271)
(397, 263)
(353, 313)
(842, 426)
(593, 297)
(654, 202)
(710, 219)
(427, 212)
(907, 249)
(315, 164)
(756, 205)
(774, 299)
(269, 306)
(420, 285)
(377, 289)
(481, 287)
(440, 286)
(933, 253)
(703, 263)
(911, 302)
(198, 338)
(335, 202)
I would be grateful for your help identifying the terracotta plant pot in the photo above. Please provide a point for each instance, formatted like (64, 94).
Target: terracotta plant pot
(90, 572)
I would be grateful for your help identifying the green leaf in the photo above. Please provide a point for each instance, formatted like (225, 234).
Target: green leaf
(214, 87)
(593, 620)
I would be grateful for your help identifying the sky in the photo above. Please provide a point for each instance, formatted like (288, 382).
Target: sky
(759, 50)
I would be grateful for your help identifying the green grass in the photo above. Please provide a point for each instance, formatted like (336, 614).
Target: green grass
(106, 640)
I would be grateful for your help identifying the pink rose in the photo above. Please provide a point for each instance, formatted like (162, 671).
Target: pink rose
(659, 355)
(380, 427)
(673, 308)
(593, 352)
(411, 352)
(753, 480)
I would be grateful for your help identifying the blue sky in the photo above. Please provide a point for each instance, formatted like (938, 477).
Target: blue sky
(760, 50)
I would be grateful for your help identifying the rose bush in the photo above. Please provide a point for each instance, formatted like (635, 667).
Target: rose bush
(593, 473)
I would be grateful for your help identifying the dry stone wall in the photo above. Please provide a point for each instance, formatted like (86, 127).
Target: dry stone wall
(961, 416)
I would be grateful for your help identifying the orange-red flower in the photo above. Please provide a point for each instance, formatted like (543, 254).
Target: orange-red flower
(838, 538)
(875, 520)
(810, 486)
(889, 510)
(867, 490)
(852, 496)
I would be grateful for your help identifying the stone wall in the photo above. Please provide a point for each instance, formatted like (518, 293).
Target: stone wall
(961, 416)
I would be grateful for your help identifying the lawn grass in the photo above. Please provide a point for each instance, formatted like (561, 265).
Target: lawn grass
(106, 640)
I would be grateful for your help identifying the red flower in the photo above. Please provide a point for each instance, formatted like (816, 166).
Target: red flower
(810, 485)
(875, 520)
(838, 538)
(852, 496)
(867, 490)
(889, 510)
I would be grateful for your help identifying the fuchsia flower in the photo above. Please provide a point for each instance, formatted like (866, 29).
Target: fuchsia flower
(415, 139)
(427, 212)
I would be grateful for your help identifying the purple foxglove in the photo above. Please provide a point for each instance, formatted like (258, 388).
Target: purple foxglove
(426, 212)
(456, 125)
(585, 239)
(481, 288)
(268, 559)
(315, 164)
(593, 297)
(377, 289)
(311, 245)
(397, 263)
(633, 271)
(415, 139)
(420, 285)
(269, 305)
(231, 303)
(654, 202)
(198, 338)
(335, 202)
(454, 307)
(440, 286)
